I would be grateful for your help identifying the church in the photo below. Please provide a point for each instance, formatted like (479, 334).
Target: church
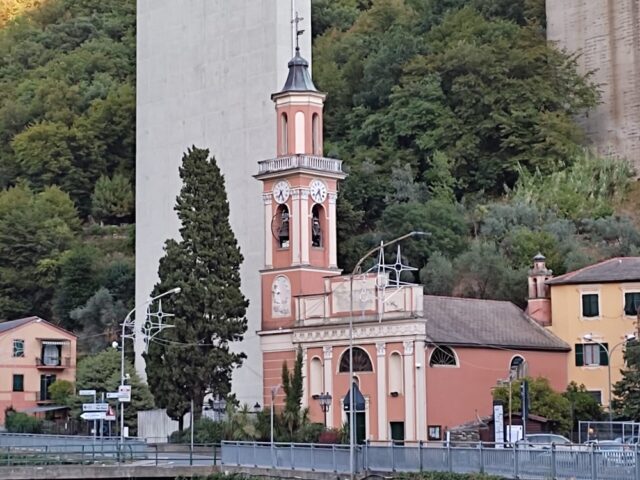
(421, 364)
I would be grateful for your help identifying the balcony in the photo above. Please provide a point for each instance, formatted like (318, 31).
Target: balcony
(53, 363)
(310, 162)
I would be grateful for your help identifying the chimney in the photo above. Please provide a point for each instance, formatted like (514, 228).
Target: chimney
(539, 301)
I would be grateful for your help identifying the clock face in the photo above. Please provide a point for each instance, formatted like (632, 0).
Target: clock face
(281, 191)
(318, 191)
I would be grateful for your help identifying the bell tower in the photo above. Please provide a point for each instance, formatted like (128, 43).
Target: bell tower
(299, 195)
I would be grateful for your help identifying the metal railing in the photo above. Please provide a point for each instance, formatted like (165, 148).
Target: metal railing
(61, 362)
(313, 162)
(576, 462)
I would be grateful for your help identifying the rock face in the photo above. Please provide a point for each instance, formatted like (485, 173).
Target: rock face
(205, 73)
(607, 35)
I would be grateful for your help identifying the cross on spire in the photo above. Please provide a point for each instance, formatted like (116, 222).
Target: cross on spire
(297, 19)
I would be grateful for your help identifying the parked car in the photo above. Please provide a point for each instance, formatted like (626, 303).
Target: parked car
(543, 441)
(616, 453)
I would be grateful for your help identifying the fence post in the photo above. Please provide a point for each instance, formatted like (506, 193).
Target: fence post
(313, 459)
(255, 457)
(449, 459)
(592, 456)
(420, 454)
(481, 458)
(333, 452)
(292, 461)
(215, 454)
(637, 462)
(46, 454)
(237, 454)
(553, 460)
(393, 456)
(9, 455)
(516, 466)
(191, 454)
(156, 453)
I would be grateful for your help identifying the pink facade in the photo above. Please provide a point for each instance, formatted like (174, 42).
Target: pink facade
(33, 354)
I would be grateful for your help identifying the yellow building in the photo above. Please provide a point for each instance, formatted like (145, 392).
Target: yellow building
(593, 309)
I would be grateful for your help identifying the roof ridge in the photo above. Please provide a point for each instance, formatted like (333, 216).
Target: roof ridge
(572, 273)
(470, 298)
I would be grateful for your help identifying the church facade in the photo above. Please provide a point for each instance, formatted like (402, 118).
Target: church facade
(420, 363)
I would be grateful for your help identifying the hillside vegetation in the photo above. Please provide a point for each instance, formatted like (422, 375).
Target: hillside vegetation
(452, 116)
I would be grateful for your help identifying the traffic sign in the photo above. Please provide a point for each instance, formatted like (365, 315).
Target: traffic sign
(112, 395)
(125, 393)
(95, 407)
(94, 415)
(87, 393)
(111, 415)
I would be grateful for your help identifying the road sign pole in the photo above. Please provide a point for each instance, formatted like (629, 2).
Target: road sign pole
(94, 422)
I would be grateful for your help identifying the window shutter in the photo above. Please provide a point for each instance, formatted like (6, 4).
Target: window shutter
(579, 355)
(604, 358)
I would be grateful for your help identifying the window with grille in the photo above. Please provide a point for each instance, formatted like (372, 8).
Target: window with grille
(18, 383)
(443, 357)
(590, 306)
(18, 348)
(361, 361)
(591, 354)
(631, 303)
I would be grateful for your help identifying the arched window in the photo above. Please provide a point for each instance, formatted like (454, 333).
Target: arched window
(316, 226)
(361, 361)
(443, 357)
(315, 133)
(517, 367)
(315, 374)
(280, 226)
(284, 134)
(395, 374)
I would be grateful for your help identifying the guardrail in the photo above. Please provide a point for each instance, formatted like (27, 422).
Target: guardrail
(557, 462)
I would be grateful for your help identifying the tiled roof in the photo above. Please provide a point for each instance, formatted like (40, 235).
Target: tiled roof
(620, 269)
(475, 322)
(5, 326)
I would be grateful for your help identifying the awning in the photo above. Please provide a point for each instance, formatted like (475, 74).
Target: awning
(44, 408)
(54, 342)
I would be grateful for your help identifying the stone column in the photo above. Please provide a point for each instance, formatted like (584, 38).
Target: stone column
(305, 379)
(268, 235)
(381, 348)
(421, 391)
(333, 249)
(328, 382)
(305, 226)
(409, 395)
(294, 221)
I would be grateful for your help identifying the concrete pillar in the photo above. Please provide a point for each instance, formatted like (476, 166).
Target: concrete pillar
(382, 390)
(328, 382)
(268, 235)
(333, 248)
(421, 391)
(295, 223)
(305, 226)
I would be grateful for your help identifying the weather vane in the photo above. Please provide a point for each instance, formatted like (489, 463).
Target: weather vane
(299, 31)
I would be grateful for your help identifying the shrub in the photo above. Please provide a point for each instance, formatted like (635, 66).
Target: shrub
(17, 422)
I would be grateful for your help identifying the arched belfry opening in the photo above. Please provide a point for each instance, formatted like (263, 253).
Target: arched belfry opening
(316, 140)
(280, 226)
(317, 226)
(284, 134)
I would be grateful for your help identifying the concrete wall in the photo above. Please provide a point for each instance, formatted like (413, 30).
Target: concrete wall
(607, 33)
(205, 72)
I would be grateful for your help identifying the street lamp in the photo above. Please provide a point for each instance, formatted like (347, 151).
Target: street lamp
(356, 270)
(325, 404)
(218, 405)
(627, 338)
(274, 391)
(129, 323)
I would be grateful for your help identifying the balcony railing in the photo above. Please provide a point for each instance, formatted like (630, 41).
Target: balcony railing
(61, 362)
(312, 162)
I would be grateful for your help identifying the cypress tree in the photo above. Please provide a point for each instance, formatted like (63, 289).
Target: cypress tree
(192, 359)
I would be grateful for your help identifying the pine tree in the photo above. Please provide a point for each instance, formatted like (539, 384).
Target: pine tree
(293, 417)
(626, 403)
(193, 359)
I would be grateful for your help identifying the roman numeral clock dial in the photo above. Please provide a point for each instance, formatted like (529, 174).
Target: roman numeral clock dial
(318, 191)
(281, 191)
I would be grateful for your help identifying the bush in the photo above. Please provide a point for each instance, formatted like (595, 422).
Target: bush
(205, 431)
(17, 422)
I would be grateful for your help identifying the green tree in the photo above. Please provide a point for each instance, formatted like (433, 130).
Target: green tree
(76, 284)
(293, 417)
(584, 407)
(101, 372)
(437, 275)
(99, 320)
(194, 358)
(112, 200)
(544, 401)
(62, 392)
(626, 402)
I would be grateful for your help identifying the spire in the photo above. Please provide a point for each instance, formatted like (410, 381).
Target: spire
(299, 79)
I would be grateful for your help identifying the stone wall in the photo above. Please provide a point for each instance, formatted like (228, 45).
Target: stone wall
(607, 34)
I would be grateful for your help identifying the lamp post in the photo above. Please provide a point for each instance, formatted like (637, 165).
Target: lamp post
(627, 338)
(356, 270)
(129, 323)
(325, 404)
